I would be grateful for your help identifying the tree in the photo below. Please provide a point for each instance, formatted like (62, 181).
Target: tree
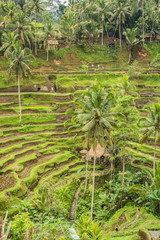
(48, 32)
(23, 28)
(37, 6)
(151, 126)
(95, 112)
(19, 60)
(102, 7)
(120, 11)
(8, 8)
(126, 87)
(8, 41)
(132, 40)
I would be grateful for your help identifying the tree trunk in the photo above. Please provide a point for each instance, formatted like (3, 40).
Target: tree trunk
(111, 170)
(47, 50)
(123, 164)
(130, 55)
(87, 158)
(19, 98)
(102, 28)
(120, 35)
(151, 31)
(35, 33)
(93, 183)
(154, 159)
(143, 22)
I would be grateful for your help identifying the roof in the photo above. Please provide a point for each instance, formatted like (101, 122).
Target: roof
(52, 42)
(147, 35)
(100, 151)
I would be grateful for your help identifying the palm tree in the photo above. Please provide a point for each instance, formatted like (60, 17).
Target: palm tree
(126, 87)
(19, 60)
(37, 6)
(141, 3)
(132, 40)
(151, 126)
(8, 41)
(101, 8)
(120, 11)
(98, 121)
(48, 32)
(23, 28)
(8, 8)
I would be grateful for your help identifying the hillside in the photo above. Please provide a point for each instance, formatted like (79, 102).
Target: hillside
(39, 154)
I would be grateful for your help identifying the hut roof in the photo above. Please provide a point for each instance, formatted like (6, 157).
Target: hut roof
(100, 151)
(52, 42)
(147, 35)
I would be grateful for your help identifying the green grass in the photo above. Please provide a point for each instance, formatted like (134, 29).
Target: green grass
(31, 118)
(146, 222)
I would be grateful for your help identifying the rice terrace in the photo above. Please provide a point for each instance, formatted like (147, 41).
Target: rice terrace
(79, 120)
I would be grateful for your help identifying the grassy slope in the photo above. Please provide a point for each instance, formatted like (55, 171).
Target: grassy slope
(145, 223)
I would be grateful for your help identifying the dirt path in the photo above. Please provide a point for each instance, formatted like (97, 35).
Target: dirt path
(131, 223)
(74, 203)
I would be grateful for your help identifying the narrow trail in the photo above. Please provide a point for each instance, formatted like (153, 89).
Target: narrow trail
(73, 207)
(131, 223)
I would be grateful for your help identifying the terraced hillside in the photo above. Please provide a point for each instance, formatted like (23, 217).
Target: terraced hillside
(37, 148)
(40, 148)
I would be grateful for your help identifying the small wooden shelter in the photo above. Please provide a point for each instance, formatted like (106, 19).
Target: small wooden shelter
(100, 151)
(52, 43)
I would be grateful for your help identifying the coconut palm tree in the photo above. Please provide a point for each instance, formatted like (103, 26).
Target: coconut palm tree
(37, 6)
(9, 9)
(132, 40)
(23, 28)
(8, 41)
(120, 11)
(151, 126)
(19, 60)
(126, 87)
(48, 32)
(102, 8)
(98, 120)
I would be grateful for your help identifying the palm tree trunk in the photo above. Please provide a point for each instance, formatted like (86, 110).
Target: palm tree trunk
(151, 31)
(130, 55)
(123, 164)
(35, 33)
(120, 35)
(155, 148)
(102, 28)
(47, 49)
(93, 182)
(87, 158)
(143, 21)
(19, 97)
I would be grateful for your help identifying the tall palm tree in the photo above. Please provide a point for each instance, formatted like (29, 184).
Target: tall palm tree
(132, 40)
(48, 32)
(23, 28)
(37, 6)
(141, 3)
(102, 8)
(19, 60)
(120, 11)
(151, 126)
(98, 121)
